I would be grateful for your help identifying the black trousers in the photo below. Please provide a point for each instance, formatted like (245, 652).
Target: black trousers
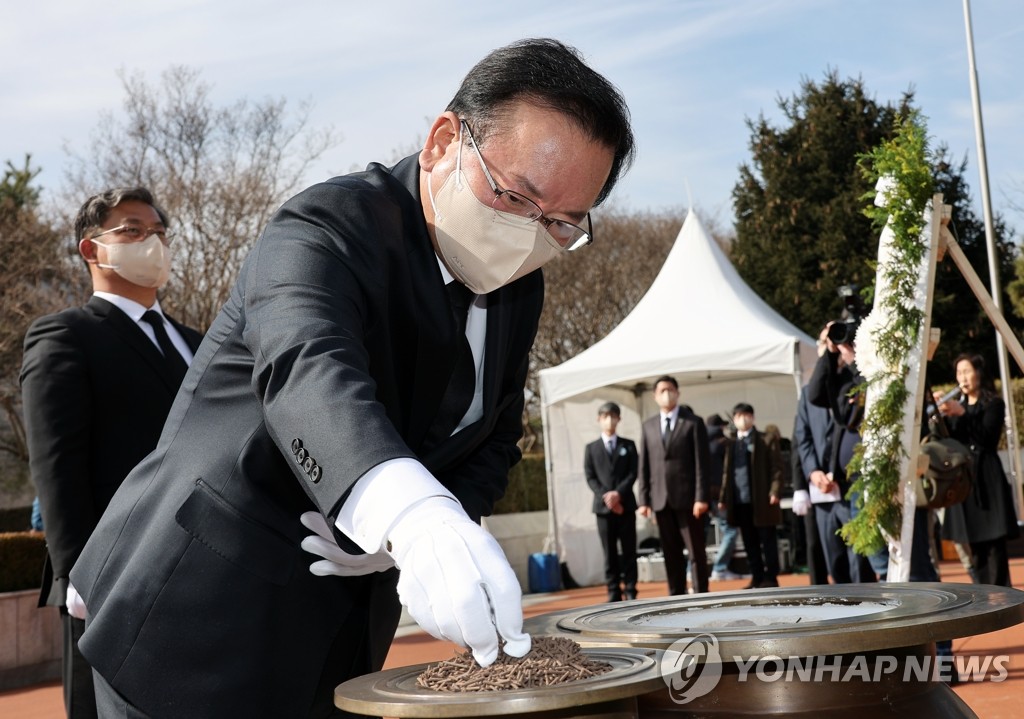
(678, 528)
(79, 694)
(618, 530)
(761, 544)
(991, 562)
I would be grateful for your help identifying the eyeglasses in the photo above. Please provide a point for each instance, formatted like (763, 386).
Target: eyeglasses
(561, 234)
(137, 233)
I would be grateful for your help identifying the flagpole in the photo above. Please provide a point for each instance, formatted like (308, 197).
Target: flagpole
(993, 269)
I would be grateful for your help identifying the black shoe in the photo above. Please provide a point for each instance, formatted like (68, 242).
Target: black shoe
(630, 595)
(751, 585)
(768, 583)
(614, 597)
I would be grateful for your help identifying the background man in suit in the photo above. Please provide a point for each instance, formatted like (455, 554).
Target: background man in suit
(812, 440)
(837, 385)
(751, 490)
(610, 465)
(339, 384)
(97, 383)
(674, 484)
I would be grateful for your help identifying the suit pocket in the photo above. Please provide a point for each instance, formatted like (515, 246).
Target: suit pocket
(219, 526)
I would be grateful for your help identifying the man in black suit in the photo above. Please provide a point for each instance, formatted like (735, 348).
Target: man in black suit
(609, 465)
(675, 470)
(339, 385)
(97, 387)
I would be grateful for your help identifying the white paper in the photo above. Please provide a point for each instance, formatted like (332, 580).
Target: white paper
(819, 497)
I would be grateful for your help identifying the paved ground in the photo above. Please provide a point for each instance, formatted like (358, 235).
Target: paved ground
(989, 700)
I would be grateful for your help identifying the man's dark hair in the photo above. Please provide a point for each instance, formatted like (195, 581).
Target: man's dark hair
(667, 378)
(97, 208)
(742, 408)
(548, 74)
(609, 408)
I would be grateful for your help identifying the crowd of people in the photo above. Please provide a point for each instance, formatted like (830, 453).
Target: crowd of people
(691, 469)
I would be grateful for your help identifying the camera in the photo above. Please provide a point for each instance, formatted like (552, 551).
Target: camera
(844, 329)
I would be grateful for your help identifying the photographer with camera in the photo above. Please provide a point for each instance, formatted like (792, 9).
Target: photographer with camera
(837, 385)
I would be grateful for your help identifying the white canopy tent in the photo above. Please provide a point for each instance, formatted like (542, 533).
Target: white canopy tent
(698, 322)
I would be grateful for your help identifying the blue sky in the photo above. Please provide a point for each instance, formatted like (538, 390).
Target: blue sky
(692, 71)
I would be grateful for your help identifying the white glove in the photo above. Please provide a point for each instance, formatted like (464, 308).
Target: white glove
(801, 502)
(335, 560)
(74, 602)
(455, 580)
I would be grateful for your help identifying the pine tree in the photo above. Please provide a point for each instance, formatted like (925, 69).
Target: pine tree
(800, 229)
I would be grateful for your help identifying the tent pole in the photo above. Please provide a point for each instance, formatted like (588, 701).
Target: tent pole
(551, 544)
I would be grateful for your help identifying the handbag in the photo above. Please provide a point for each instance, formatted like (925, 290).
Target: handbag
(949, 474)
(946, 467)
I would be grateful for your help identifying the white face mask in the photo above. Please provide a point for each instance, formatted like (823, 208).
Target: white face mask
(146, 263)
(483, 248)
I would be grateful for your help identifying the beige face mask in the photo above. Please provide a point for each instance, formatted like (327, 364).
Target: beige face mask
(484, 249)
(146, 263)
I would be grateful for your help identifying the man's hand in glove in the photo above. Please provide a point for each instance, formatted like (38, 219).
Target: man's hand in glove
(455, 580)
(335, 560)
(801, 502)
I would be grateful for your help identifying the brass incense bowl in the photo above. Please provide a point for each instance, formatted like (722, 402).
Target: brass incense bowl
(792, 652)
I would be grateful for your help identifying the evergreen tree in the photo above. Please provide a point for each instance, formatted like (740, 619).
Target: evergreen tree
(37, 276)
(801, 232)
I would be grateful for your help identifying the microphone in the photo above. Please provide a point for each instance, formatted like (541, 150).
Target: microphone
(952, 394)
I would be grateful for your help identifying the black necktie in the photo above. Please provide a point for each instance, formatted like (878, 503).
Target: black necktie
(462, 384)
(172, 358)
(667, 431)
(611, 447)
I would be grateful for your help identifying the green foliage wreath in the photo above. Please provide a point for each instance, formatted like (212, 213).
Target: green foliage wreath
(909, 183)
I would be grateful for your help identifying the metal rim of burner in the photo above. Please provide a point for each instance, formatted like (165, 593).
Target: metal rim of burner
(918, 613)
(394, 692)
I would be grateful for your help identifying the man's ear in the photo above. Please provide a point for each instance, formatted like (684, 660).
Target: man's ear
(87, 249)
(445, 130)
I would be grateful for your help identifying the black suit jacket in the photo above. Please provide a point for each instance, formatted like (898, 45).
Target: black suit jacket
(96, 393)
(842, 391)
(678, 473)
(812, 438)
(616, 473)
(330, 357)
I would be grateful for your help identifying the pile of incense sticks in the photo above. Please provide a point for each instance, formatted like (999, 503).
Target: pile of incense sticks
(550, 661)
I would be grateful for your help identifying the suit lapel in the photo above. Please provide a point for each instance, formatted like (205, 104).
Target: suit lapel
(495, 347)
(674, 433)
(133, 336)
(435, 329)
(192, 338)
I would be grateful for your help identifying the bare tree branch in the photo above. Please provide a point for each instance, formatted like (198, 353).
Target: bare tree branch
(219, 172)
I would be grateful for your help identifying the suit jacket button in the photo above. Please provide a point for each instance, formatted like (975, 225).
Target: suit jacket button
(308, 464)
(301, 455)
(296, 445)
(315, 473)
